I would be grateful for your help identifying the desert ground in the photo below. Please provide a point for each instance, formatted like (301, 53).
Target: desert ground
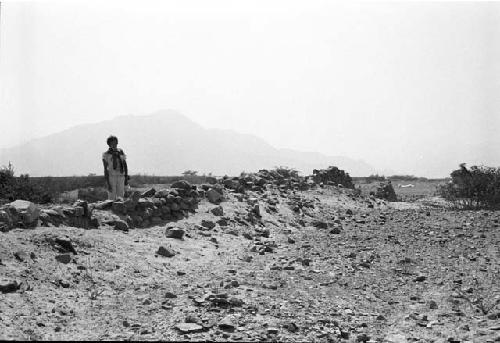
(318, 265)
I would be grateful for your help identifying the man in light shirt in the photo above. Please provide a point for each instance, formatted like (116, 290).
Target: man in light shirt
(115, 169)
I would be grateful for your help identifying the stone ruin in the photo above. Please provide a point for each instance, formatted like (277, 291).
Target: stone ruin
(332, 176)
(138, 210)
(285, 180)
(156, 207)
(281, 179)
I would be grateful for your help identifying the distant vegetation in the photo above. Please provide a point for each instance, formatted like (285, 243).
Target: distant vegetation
(407, 178)
(374, 178)
(477, 187)
(23, 187)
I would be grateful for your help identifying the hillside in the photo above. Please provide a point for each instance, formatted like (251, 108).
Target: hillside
(163, 143)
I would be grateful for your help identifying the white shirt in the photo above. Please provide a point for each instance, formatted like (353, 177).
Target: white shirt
(106, 156)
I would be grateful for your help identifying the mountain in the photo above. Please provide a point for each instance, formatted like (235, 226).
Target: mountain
(163, 143)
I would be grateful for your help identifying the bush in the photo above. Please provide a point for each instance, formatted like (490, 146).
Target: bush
(477, 187)
(386, 191)
(22, 187)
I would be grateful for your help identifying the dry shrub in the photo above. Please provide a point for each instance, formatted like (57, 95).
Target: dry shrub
(474, 188)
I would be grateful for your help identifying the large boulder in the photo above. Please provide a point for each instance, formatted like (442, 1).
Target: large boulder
(214, 196)
(24, 212)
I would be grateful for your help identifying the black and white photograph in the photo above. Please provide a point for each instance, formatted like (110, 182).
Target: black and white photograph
(250, 171)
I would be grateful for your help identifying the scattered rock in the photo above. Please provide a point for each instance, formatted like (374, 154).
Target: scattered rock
(217, 211)
(208, 224)
(433, 305)
(63, 258)
(167, 252)
(120, 225)
(272, 330)
(420, 278)
(222, 222)
(21, 256)
(320, 224)
(170, 295)
(174, 232)
(9, 286)
(213, 196)
(227, 324)
(362, 338)
(292, 327)
(191, 319)
(188, 327)
(256, 210)
(336, 230)
(64, 245)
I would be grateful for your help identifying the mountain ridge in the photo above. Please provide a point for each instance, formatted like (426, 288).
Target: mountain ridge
(163, 143)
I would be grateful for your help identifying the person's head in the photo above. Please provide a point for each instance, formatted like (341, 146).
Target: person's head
(112, 141)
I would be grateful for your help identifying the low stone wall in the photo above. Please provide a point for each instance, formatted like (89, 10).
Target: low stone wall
(332, 176)
(263, 179)
(138, 210)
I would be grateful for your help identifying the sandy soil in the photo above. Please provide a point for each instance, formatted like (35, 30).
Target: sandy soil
(399, 272)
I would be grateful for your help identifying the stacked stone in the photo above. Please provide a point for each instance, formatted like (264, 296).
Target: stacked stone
(25, 214)
(213, 192)
(155, 207)
(139, 210)
(332, 176)
(263, 179)
(386, 191)
(92, 194)
(19, 213)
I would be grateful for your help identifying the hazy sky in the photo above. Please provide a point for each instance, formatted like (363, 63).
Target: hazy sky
(401, 85)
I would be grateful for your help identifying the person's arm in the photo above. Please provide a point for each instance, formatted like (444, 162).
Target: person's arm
(106, 173)
(125, 167)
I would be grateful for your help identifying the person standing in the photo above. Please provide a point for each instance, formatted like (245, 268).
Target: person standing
(115, 169)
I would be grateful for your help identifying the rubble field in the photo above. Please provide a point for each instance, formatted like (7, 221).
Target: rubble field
(272, 260)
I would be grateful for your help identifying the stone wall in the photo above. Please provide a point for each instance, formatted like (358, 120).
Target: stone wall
(332, 176)
(138, 210)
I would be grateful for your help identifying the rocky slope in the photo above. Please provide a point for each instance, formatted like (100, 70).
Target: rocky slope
(273, 265)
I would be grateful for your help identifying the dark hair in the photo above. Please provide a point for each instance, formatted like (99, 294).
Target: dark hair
(111, 138)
